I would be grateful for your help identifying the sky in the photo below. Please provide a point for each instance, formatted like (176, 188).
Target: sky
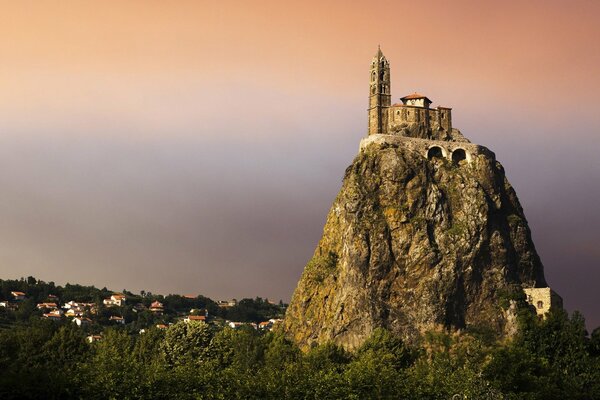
(195, 147)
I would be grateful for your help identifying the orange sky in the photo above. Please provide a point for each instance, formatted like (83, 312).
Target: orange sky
(77, 54)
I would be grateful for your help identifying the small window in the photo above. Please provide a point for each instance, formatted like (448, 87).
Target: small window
(540, 304)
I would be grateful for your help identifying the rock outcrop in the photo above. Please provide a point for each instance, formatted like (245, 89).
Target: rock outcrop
(411, 244)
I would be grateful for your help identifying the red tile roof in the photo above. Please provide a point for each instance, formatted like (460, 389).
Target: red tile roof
(196, 317)
(47, 305)
(415, 95)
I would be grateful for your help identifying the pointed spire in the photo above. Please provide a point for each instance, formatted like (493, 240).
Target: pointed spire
(379, 54)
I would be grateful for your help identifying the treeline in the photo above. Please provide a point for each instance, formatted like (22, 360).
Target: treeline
(550, 359)
(38, 291)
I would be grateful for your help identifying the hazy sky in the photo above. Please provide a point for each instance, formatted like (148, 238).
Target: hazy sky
(196, 146)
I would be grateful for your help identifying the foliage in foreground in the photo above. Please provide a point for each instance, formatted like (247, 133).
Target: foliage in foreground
(551, 359)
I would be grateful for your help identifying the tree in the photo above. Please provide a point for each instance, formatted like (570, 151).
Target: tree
(186, 342)
(112, 372)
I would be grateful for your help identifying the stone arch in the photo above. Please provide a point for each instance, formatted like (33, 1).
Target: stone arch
(459, 154)
(436, 152)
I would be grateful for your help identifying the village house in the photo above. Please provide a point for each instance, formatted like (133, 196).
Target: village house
(9, 305)
(157, 308)
(235, 325)
(76, 305)
(91, 307)
(194, 318)
(94, 338)
(116, 299)
(53, 315)
(74, 312)
(81, 321)
(49, 306)
(75, 309)
(70, 304)
(117, 319)
(18, 296)
(265, 325)
(199, 311)
(227, 303)
(268, 325)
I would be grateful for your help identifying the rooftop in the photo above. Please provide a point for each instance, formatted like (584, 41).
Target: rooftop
(415, 96)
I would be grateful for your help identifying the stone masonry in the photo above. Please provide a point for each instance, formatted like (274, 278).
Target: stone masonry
(414, 125)
(543, 300)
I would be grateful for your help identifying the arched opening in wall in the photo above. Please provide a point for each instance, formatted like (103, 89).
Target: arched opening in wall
(540, 304)
(435, 152)
(459, 155)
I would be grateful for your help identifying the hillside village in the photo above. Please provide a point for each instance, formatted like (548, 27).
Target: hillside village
(94, 310)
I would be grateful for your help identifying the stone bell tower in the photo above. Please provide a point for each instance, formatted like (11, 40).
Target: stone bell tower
(379, 93)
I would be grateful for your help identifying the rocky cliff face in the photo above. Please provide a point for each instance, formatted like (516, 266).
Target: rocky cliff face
(411, 244)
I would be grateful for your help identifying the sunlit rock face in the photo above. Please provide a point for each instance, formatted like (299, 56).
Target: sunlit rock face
(415, 240)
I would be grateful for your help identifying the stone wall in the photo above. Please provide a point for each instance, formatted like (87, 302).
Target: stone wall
(430, 120)
(543, 299)
(423, 146)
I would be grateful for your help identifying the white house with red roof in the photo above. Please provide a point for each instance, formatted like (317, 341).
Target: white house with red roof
(116, 299)
(49, 306)
(54, 315)
(117, 319)
(157, 307)
(18, 295)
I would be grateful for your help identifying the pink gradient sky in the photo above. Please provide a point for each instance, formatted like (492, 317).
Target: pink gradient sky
(196, 146)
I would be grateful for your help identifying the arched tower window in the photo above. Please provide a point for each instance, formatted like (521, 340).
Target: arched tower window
(540, 304)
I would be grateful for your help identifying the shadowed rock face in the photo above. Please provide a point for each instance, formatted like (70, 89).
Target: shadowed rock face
(411, 244)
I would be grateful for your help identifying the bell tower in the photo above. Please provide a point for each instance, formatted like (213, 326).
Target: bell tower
(379, 93)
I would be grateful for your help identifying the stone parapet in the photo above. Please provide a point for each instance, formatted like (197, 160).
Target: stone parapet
(423, 146)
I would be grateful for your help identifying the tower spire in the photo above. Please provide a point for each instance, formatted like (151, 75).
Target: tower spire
(379, 93)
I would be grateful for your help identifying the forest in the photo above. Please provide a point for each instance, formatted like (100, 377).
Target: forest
(554, 358)
(163, 356)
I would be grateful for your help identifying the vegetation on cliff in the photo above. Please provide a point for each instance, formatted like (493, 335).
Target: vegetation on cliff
(411, 244)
